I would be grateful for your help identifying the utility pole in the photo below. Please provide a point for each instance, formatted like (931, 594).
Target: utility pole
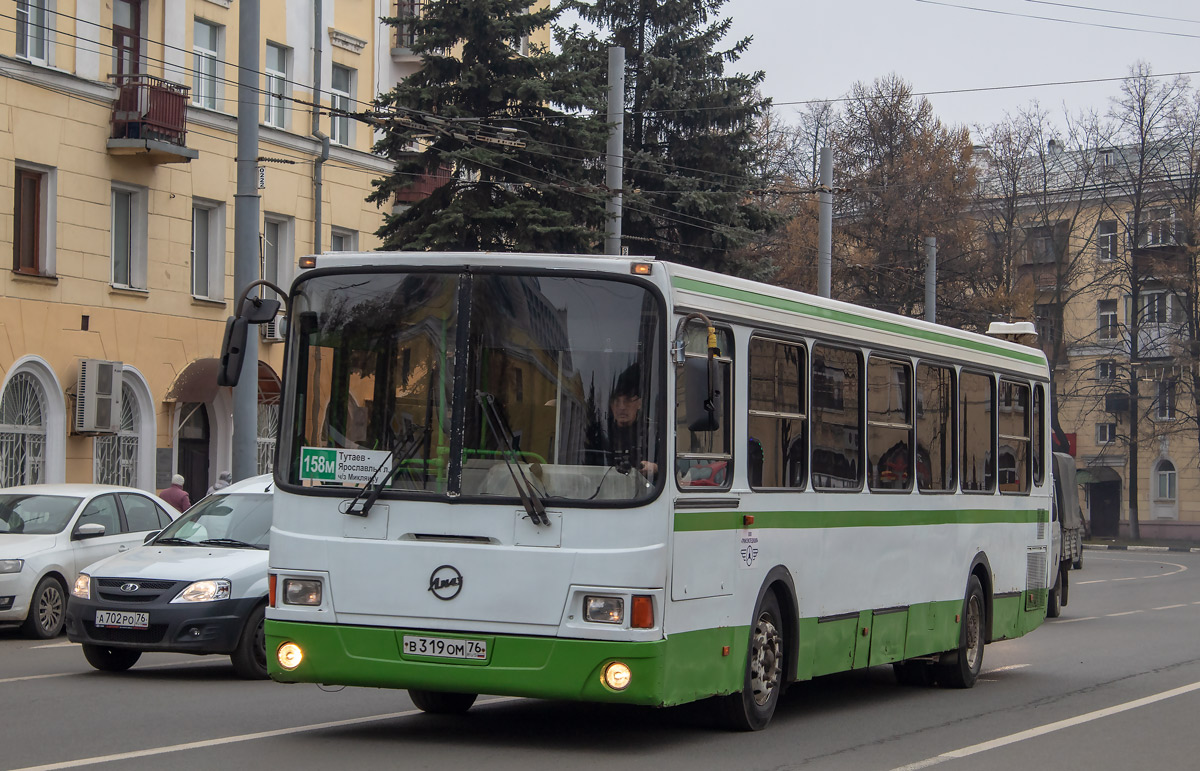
(825, 225)
(931, 279)
(614, 162)
(245, 235)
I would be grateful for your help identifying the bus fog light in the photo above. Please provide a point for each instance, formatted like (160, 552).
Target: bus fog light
(301, 592)
(604, 610)
(289, 655)
(617, 676)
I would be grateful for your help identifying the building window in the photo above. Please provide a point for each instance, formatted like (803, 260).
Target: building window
(1156, 227)
(1164, 400)
(31, 226)
(1165, 481)
(23, 414)
(277, 66)
(1106, 433)
(343, 240)
(1106, 370)
(208, 250)
(1108, 327)
(277, 250)
(33, 31)
(407, 11)
(206, 49)
(1046, 315)
(128, 238)
(116, 455)
(1107, 240)
(340, 89)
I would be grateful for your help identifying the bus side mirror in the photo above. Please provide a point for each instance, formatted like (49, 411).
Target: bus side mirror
(233, 351)
(703, 413)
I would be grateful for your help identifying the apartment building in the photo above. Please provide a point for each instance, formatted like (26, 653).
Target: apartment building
(117, 181)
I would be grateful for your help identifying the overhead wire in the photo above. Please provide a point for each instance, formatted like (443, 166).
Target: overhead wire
(1078, 22)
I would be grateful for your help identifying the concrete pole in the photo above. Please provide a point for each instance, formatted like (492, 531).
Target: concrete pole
(245, 235)
(825, 225)
(931, 279)
(614, 172)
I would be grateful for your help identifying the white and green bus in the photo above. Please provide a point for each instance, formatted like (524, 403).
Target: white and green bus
(623, 480)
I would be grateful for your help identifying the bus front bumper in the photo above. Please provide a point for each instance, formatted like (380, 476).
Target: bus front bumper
(662, 672)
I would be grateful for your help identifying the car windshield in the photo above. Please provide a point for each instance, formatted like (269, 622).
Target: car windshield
(223, 520)
(476, 385)
(36, 514)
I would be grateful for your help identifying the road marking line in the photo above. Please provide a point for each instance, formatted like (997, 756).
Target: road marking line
(1007, 668)
(1168, 607)
(1131, 578)
(55, 645)
(87, 671)
(1042, 730)
(1126, 613)
(202, 744)
(1097, 581)
(1073, 620)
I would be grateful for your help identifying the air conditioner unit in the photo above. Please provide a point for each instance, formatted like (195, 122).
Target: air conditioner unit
(98, 397)
(273, 331)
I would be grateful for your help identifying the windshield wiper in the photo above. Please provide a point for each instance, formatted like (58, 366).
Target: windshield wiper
(525, 489)
(371, 490)
(175, 541)
(235, 543)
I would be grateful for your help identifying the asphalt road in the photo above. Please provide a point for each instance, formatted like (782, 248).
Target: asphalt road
(1113, 684)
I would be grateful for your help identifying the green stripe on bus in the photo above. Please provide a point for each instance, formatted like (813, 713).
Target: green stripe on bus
(845, 317)
(688, 521)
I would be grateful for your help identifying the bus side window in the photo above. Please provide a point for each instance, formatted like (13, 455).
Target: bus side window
(777, 450)
(889, 424)
(977, 399)
(1013, 421)
(836, 418)
(936, 453)
(703, 458)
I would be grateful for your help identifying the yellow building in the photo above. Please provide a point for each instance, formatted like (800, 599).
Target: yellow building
(117, 181)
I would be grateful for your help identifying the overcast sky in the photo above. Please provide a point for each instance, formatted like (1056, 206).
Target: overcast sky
(818, 50)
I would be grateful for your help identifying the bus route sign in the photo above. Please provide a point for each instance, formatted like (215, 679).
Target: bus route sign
(320, 464)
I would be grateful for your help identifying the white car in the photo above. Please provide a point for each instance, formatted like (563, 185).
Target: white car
(200, 586)
(49, 532)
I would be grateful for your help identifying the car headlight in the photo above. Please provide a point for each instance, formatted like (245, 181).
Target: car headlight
(83, 587)
(204, 591)
(11, 566)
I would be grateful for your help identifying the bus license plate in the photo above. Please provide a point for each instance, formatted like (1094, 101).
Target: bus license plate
(445, 648)
(122, 619)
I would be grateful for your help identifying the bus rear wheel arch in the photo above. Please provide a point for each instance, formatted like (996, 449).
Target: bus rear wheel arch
(765, 675)
(960, 668)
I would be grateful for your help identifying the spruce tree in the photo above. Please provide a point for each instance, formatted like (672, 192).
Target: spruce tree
(690, 146)
(475, 93)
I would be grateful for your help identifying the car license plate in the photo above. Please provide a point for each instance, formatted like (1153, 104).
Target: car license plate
(122, 619)
(445, 648)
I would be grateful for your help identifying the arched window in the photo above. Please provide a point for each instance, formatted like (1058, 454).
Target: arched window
(116, 455)
(23, 431)
(1165, 480)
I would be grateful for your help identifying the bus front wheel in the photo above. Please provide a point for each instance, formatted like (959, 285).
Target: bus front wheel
(961, 667)
(752, 708)
(441, 702)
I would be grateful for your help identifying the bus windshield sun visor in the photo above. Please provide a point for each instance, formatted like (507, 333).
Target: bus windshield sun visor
(525, 489)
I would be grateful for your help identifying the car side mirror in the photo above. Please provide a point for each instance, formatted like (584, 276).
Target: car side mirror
(150, 536)
(88, 530)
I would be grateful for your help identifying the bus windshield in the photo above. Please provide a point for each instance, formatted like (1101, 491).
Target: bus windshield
(476, 384)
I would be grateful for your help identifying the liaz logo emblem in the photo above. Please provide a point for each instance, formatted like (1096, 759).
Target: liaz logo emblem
(446, 582)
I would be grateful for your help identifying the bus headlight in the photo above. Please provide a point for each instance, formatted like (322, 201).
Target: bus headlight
(617, 676)
(289, 655)
(297, 591)
(604, 610)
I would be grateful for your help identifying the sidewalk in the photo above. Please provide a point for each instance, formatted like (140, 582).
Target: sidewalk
(1125, 544)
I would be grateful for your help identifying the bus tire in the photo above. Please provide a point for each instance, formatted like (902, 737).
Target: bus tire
(961, 667)
(1053, 606)
(752, 708)
(441, 702)
(918, 674)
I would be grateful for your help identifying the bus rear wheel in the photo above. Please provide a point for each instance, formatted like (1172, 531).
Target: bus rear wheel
(441, 702)
(962, 666)
(753, 707)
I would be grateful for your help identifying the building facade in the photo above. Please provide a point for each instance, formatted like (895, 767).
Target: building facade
(117, 181)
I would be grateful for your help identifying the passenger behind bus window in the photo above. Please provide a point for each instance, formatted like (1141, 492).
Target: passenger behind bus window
(623, 443)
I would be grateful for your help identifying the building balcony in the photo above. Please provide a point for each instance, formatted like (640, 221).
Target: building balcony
(150, 119)
(423, 187)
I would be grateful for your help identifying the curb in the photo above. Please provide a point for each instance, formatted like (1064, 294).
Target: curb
(1123, 547)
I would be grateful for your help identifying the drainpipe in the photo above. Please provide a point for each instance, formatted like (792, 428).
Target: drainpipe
(319, 164)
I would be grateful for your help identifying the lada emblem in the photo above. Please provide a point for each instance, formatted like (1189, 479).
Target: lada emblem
(445, 582)
(130, 587)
